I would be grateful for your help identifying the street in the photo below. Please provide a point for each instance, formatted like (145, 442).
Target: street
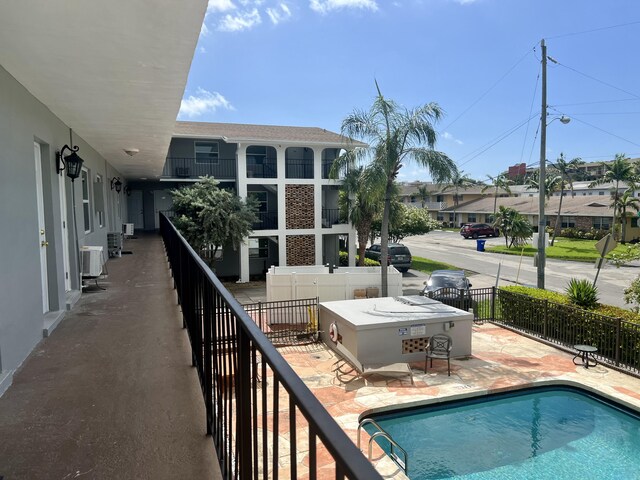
(450, 247)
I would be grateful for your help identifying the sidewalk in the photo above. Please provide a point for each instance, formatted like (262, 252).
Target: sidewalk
(111, 393)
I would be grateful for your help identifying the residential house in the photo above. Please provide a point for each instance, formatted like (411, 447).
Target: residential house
(98, 76)
(285, 169)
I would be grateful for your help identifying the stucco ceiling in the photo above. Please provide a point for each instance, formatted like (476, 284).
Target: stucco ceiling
(114, 71)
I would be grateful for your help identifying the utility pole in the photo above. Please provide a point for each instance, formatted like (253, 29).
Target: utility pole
(542, 173)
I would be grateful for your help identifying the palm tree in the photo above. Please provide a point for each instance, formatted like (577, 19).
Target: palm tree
(551, 184)
(395, 135)
(619, 170)
(513, 225)
(625, 202)
(423, 193)
(498, 182)
(565, 169)
(359, 201)
(459, 180)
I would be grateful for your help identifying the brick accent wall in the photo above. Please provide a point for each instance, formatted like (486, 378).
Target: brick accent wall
(299, 207)
(301, 250)
(584, 223)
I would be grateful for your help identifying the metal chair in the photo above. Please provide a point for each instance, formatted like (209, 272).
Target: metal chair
(439, 347)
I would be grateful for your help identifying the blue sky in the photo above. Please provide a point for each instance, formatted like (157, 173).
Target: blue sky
(311, 62)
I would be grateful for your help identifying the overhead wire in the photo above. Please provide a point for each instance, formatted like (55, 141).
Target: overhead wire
(488, 90)
(597, 80)
(533, 99)
(596, 102)
(599, 29)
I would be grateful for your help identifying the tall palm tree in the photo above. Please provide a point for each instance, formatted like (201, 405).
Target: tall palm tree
(619, 170)
(565, 169)
(500, 181)
(359, 201)
(395, 135)
(626, 201)
(423, 193)
(459, 181)
(551, 184)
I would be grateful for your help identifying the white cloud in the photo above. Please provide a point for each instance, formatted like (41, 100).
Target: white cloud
(278, 16)
(241, 21)
(326, 6)
(448, 136)
(203, 102)
(204, 30)
(465, 2)
(220, 6)
(203, 50)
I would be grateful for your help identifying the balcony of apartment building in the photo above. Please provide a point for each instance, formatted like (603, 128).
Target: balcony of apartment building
(328, 157)
(189, 159)
(298, 162)
(163, 375)
(266, 199)
(261, 162)
(330, 207)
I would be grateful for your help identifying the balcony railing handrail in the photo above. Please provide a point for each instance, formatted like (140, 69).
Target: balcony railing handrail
(349, 460)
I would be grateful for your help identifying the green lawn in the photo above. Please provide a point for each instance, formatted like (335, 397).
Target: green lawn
(574, 249)
(426, 265)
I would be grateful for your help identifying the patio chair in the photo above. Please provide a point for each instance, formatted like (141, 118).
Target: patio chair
(395, 370)
(439, 347)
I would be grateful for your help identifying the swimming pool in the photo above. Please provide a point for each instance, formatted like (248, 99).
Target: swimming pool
(544, 432)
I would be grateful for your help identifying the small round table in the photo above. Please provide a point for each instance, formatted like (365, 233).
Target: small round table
(585, 354)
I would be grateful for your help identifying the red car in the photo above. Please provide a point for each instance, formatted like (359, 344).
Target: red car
(475, 230)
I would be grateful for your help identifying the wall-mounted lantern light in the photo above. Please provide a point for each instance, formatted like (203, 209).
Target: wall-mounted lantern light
(116, 184)
(72, 162)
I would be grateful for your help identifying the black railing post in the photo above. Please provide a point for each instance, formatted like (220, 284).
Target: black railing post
(243, 402)
(207, 318)
(493, 303)
(545, 319)
(618, 340)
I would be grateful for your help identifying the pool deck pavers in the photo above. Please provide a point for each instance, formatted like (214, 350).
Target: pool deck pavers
(501, 359)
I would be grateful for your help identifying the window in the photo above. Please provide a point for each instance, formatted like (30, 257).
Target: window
(440, 217)
(634, 222)
(439, 198)
(600, 193)
(261, 200)
(568, 222)
(98, 199)
(258, 247)
(257, 155)
(601, 223)
(86, 206)
(471, 218)
(206, 152)
(413, 199)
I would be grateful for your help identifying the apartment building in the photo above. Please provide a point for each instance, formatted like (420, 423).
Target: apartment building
(285, 169)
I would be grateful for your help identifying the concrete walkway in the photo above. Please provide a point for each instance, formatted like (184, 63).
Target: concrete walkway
(111, 393)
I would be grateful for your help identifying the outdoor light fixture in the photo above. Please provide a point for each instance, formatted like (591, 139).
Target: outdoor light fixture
(131, 151)
(116, 184)
(72, 162)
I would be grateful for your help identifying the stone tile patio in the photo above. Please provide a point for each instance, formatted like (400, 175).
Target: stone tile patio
(501, 359)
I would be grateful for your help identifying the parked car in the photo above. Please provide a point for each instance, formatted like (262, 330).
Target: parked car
(475, 230)
(451, 287)
(399, 255)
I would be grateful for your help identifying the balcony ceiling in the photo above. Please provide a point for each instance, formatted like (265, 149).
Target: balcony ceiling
(114, 71)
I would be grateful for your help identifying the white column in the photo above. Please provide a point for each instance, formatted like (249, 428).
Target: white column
(241, 169)
(352, 247)
(281, 182)
(317, 202)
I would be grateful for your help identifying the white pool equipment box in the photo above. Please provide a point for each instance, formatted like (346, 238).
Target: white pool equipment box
(393, 329)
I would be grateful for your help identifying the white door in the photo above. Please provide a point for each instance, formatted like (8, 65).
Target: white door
(65, 232)
(42, 235)
(163, 201)
(136, 213)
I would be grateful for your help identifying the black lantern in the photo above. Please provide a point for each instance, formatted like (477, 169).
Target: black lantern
(116, 184)
(72, 162)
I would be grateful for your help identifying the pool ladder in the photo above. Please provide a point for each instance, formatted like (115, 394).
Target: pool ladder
(403, 463)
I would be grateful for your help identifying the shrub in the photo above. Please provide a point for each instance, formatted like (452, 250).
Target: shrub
(582, 293)
(537, 293)
(344, 260)
(591, 234)
(632, 294)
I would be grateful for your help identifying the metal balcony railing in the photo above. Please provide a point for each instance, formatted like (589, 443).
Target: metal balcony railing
(330, 217)
(185, 167)
(261, 170)
(266, 220)
(299, 168)
(250, 391)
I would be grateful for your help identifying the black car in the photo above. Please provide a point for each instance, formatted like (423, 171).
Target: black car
(399, 255)
(451, 287)
(475, 230)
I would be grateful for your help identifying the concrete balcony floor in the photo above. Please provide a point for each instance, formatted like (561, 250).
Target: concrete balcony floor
(111, 393)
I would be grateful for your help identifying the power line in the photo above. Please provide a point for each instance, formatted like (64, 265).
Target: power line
(596, 102)
(606, 113)
(598, 80)
(601, 129)
(526, 133)
(593, 30)
(488, 90)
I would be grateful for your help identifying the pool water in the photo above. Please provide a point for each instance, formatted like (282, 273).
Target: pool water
(549, 432)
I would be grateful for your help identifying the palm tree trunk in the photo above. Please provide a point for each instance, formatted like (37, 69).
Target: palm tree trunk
(615, 207)
(363, 237)
(384, 240)
(623, 223)
(555, 228)
(495, 203)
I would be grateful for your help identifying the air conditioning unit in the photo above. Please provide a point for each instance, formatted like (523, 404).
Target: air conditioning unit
(114, 242)
(127, 229)
(91, 261)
